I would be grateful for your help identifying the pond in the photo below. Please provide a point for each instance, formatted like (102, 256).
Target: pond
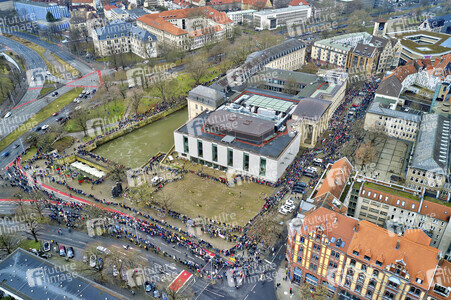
(136, 148)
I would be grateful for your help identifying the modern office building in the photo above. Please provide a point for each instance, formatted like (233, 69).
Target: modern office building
(37, 12)
(241, 17)
(273, 19)
(424, 45)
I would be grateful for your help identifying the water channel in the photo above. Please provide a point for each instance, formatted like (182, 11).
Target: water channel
(136, 148)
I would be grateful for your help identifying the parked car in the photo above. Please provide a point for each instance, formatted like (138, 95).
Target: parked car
(46, 246)
(147, 287)
(283, 210)
(289, 202)
(99, 263)
(8, 114)
(62, 251)
(85, 258)
(45, 127)
(93, 261)
(156, 294)
(103, 250)
(115, 271)
(38, 128)
(54, 94)
(55, 114)
(70, 252)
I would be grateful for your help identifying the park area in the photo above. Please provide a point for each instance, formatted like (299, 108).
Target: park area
(196, 196)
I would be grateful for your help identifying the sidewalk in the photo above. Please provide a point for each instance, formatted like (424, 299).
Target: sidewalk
(283, 292)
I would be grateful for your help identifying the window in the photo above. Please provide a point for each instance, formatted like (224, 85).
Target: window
(246, 161)
(332, 254)
(369, 293)
(185, 144)
(372, 283)
(214, 150)
(337, 255)
(262, 166)
(418, 280)
(200, 149)
(378, 263)
(352, 263)
(230, 158)
(361, 278)
(356, 253)
(375, 273)
(358, 288)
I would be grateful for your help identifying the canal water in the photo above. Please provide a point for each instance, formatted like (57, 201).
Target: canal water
(136, 148)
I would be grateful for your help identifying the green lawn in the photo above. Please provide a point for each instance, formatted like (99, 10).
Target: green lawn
(193, 196)
(63, 143)
(29, 154)
(27, 244)
(40, 116)
(110, 113)
(390, 190)
(437, 201)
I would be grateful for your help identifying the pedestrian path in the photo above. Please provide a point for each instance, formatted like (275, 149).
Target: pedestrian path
(283, 290)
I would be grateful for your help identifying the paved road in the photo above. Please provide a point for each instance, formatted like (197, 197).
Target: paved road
(58, 51)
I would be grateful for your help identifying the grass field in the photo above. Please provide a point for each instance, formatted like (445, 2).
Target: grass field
(40, 116)
(195, 197)
(67, 66)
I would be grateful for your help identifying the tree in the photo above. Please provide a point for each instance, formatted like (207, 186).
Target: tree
(45, 142)
(291, 86)
(49, 17)
(80, 117)
(107, 82)
(197, 67)
(32, 227)
(58, 130)
(365, 153)
(32, 139)
(305, 291)
(136, 96)
(321, 292)
(117, 172)
(8, 243)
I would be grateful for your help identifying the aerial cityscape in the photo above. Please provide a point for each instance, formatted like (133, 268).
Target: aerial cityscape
(225, 149)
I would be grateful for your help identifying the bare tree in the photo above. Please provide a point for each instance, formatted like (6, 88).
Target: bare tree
(136, 96)
(291, 86)
(32, 227)
(197, 67)
(8, 243)
(80, 117)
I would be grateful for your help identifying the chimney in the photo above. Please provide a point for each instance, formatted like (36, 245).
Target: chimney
(356, 227)
(397, 245)
(335, 220)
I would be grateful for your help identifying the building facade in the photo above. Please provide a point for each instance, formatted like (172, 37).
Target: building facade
(273, 19)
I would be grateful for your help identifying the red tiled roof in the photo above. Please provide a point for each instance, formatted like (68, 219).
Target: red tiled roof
(109, 7)
(420, 260)
(417, 236)
(334, 224)
(441, 277)
(336, 178)
(220, 2)
(160, 20)
(298, 2)
(81, 1)
(435, 210)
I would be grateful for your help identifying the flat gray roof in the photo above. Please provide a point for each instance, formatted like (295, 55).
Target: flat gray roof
(377, 108)
(31, 277)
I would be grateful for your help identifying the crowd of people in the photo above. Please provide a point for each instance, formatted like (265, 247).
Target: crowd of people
(339, 127)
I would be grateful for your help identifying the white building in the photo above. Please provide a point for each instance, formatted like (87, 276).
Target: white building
(241, 16)
(274, 18)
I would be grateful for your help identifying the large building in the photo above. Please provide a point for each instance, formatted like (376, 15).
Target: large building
(420, 77)
(189, 28)
(430, 164)
(37, 11)
(24, 275)
(123, 37)
(440, 24)
(249, 136)
(273, 19)
(358, 53)
(241, 17)
(424, 45)
(399, 209)
(359, 260)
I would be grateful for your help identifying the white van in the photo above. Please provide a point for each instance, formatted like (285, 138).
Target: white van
(103, 250)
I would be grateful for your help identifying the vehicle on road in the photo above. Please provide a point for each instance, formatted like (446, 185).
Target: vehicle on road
(54, 94)
(8, 114)
(55, 114)
(5, 154)
(38, 128)
(283, 210)
(16, 146)
(62, 251)
(70, 252)
(45, 127)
